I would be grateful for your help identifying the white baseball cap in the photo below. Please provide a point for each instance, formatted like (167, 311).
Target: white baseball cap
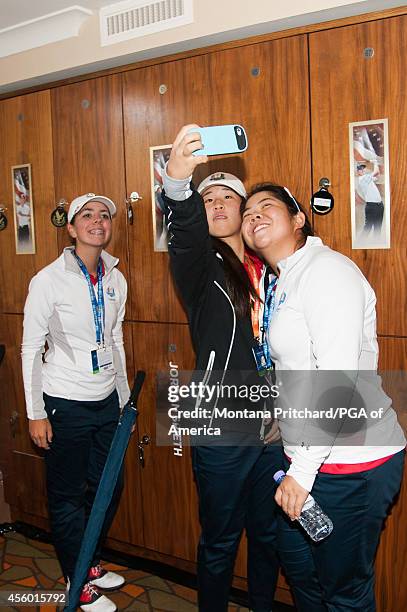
(78, 203)
(226, 179)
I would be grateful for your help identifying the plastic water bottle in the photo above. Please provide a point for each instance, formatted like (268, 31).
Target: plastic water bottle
(312, 518)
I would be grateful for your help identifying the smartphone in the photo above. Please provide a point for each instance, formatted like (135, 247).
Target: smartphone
(222, 139)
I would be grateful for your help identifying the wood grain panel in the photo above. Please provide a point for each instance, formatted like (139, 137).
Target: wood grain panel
(29, 492)
(152, 119)
(12, 395)
(346, 87)
(393, 353)
(21, 459)
(210, 90)
(17, 514)
(25, 138)
(393, 370)
(7, 405)
(272, 106)
(88, 151)
(170, 508)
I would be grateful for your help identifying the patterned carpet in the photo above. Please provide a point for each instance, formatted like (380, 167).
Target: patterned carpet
(27, 564)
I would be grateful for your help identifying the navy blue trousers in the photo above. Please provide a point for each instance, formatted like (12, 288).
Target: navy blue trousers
(337, 574)
(83, 432)
(236, 492)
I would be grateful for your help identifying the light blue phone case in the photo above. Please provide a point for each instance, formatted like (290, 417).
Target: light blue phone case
(222, 139)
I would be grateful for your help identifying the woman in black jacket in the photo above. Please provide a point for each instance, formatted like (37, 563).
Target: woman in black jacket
(234, 472)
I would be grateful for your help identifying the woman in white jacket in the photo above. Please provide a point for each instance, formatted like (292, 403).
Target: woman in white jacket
(74, 393)
(320, 317)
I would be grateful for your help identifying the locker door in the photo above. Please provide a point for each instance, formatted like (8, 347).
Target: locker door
(348, 87)
(264, 87)
(25, 138)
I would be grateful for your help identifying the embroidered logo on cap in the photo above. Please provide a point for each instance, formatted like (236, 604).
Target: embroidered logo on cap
(90, 195)
(219, 176)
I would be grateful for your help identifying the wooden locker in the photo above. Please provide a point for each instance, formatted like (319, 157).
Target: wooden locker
(22, 461)
(25, 138)
(88, 151)
(170, 507)
(348, 87)
(128, 521)
(213, 89)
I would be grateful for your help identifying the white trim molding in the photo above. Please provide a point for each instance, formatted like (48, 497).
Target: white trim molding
(43, 30)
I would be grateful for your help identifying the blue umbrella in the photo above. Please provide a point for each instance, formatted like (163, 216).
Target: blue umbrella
(104, 493)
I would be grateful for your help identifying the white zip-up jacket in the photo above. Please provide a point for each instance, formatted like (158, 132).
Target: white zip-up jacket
(58, 311)
(325, 319)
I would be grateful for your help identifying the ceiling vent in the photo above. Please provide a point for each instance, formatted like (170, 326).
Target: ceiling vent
(133, 18)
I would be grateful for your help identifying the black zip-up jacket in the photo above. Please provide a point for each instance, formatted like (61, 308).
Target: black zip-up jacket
(223, 343)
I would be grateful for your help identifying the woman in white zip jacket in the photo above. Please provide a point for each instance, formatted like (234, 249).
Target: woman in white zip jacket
(73, 394)
(322, 318)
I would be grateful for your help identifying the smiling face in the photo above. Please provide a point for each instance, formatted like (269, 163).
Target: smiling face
(269, 228)
(223, 211)
(92, 225)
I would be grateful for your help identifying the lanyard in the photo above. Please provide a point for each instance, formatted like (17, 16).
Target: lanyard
(98, 306)
(255, 311)
(269, 307)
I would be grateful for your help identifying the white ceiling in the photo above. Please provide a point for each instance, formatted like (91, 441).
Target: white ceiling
(13, 12)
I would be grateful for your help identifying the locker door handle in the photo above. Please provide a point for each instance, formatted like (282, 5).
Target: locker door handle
(133, 198)
(145, 440)
(324, 182)
(13, 422)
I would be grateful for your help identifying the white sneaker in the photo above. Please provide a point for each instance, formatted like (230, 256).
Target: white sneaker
(93, 601)
(102, 579)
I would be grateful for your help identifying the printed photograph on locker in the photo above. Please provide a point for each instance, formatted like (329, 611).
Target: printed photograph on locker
(23, 209)
(158, 158)
(370, 189)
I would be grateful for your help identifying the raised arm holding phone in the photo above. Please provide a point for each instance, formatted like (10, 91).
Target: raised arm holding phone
(217, 279)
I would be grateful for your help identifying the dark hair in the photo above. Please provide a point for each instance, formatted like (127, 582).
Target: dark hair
(292, 205)
(72, 240)
(238, 283)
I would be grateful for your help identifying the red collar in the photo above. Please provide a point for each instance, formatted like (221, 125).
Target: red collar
(94, 278)
(256, 261)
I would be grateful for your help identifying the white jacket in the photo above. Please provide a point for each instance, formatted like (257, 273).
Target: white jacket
(325, 319)
(58, 311)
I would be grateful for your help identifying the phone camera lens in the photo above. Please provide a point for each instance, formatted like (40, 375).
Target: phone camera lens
(240, 138)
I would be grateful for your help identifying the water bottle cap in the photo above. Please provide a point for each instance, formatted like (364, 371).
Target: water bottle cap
(278, 476)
